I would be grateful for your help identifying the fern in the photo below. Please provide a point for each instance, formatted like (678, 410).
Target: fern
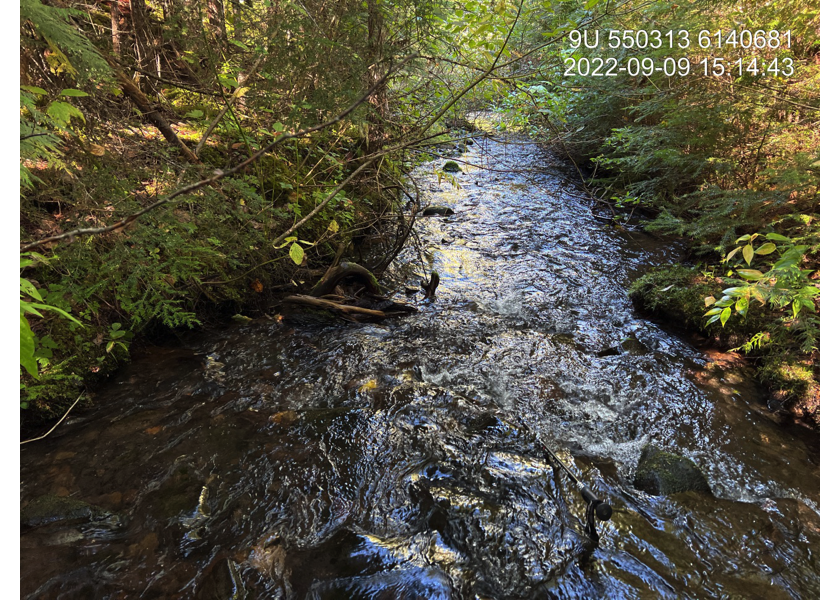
(74, 52)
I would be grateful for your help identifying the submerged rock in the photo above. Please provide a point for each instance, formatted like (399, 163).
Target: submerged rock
(661, 473)
(634, 347)
(442, 211)
(611, 351)
(49, 508)
(629, 345)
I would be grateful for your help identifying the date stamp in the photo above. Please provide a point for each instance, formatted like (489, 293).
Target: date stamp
(718, 53)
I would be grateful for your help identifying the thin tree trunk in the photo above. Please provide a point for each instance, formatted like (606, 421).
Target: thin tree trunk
(143, 41)
(375, 70)
(216, 19)
(24, 66)
(115, 26)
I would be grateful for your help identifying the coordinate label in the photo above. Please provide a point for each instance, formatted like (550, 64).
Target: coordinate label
(710, 53)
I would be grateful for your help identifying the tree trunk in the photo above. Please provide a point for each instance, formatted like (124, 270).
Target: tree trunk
(24, 66)
(144, 43)
(216, 20)
(115, 27)
(375, 71)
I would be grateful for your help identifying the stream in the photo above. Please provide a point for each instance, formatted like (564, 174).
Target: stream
(399, 460)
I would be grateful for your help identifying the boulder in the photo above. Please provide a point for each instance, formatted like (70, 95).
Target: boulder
(661, 473)
(451, 167)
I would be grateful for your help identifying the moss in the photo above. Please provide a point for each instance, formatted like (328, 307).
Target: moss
(675, 293)
(450, 166)
(791, 381)
(51, 509)
(661, 473)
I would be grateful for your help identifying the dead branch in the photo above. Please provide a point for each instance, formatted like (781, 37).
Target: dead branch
(345, 309)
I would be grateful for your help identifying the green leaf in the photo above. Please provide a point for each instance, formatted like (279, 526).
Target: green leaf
(741, 305)
(712, 319)
(759, 294)
(790, 258)
(750, 274)
(296, 253)
(43, 353)
(34, 90)
(239, 44)
(333, 227)
(724, 316)
(743, 238)
(71, 93)
(63, 313)
(714, 311)
(725, 302)
(732, 254)
(194, 114)
(26, 287)
(27, 348)
(748, 253)
(227, 81)
(63, 112)
(766, 248)
(737, 291)
(27, 307)
(778, 238)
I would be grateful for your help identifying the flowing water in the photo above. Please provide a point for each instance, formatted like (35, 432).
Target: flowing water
(399, 460)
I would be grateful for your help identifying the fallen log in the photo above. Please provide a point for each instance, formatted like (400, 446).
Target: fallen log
(310, 310)
(148, 111)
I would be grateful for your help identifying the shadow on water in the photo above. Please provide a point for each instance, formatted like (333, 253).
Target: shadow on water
(385, 461)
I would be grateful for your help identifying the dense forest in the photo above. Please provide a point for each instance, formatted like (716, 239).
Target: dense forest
(183, 162)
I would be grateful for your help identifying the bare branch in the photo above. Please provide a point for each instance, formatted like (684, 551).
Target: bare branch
(41, 437)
